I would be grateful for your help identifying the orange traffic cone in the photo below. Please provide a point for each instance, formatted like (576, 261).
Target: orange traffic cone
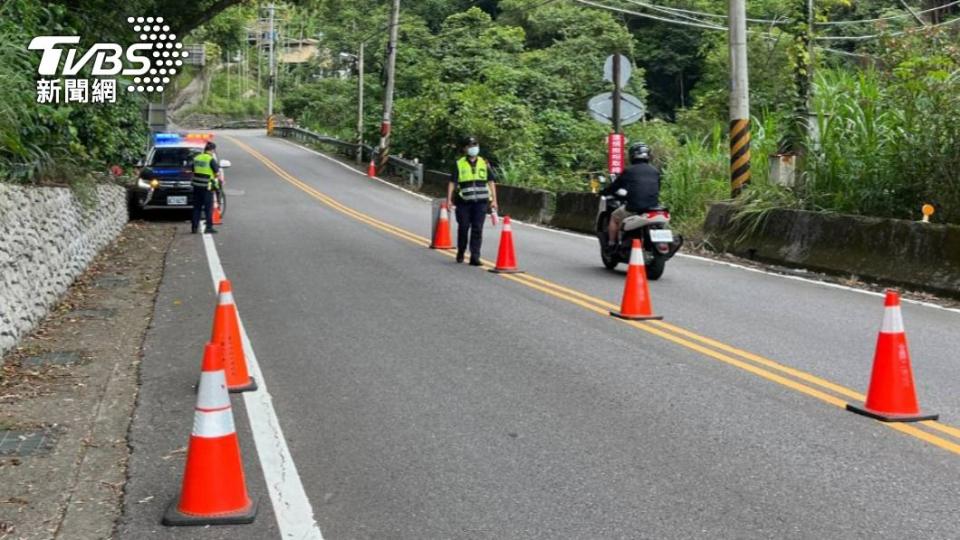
(636, 304)
(217, 216)
(214, 491)
(226, 333)
(371, 170)
(441, 238)
(506, 258)
(891, 396)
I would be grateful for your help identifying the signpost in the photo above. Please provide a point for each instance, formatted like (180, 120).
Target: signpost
(616, 108)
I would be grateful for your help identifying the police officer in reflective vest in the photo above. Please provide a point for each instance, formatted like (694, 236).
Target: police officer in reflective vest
(473, 192)
(206, 171)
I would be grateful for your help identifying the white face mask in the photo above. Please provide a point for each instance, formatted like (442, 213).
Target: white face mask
(473, 151)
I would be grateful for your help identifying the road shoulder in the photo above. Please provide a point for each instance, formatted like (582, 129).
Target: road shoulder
(67, 393)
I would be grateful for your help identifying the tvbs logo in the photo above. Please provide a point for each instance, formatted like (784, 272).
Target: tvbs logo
(149, 64)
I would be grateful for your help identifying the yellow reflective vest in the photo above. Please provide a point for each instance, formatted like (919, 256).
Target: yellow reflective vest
(472, 182)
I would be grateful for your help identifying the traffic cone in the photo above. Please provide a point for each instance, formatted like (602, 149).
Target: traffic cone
(506, 258)
(217, 216)
(891, 396)
(371, 170)
(636, 304)
(214, 491)
(226, 332)
(441, 238)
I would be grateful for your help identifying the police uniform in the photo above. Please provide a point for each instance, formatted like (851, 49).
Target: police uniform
(472, 201)
(205, 169)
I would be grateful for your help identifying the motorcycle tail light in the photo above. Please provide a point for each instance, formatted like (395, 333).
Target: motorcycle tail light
(663, 248)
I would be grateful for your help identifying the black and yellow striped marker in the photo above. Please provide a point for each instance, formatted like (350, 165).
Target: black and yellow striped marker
(739, 154)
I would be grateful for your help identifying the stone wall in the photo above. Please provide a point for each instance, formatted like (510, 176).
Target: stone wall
(917, 255)
(47, 239)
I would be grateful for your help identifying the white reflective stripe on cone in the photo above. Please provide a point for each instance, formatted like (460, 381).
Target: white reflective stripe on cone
(636, 256)
(213, 424)
(892, 321)
(226, 299)
(213, 393)
(443, 213)
(507, 227)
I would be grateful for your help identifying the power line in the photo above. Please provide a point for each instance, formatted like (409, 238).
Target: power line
(888, 18)
(649, 16)
(673, 10)
(891, 34)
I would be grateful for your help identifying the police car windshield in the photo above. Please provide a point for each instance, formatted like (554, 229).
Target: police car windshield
(173, 157)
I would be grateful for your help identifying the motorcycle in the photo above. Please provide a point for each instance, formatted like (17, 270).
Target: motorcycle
(652, 228)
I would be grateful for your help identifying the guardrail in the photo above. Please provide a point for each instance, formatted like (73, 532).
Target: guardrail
(397, 166)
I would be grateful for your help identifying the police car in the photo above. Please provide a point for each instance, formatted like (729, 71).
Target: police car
(165, 174)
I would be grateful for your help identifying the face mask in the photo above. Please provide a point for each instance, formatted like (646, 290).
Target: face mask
(473, 151)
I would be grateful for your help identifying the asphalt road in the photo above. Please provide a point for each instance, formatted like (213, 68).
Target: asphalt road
(424, 399)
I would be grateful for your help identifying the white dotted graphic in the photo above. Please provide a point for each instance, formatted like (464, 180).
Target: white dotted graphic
(164, 55)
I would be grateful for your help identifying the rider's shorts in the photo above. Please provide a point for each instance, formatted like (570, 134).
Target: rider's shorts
(622, 213)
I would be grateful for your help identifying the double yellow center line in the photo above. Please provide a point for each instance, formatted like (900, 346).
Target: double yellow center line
(795, 379)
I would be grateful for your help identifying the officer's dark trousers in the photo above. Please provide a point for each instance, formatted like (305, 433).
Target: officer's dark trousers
(470, 224)
(202, 202)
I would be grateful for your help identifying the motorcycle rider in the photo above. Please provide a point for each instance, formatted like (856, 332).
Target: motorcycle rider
(641, 180)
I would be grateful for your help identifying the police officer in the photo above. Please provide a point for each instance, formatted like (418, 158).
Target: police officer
(205, 181)
(473, 190)
(641, 180)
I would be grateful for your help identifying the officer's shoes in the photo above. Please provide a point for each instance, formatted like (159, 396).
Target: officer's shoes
(459, 257)
(211, 230)
(193, 230)
(475, 261)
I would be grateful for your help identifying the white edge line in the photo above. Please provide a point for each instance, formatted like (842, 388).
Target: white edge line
(683, 255)
(290, 504)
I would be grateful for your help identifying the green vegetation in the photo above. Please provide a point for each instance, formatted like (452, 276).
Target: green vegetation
(230, 97)
(50, 142)
(518, 73)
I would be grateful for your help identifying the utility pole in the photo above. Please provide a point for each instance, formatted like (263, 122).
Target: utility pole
(271, 79)
(739, 98)
(617, 128)
(259, 55)
(813, 129)
(384, 148)
(360, 104)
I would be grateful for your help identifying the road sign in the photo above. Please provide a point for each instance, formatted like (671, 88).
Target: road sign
(615, 158)
(625, 70)
(600, 108)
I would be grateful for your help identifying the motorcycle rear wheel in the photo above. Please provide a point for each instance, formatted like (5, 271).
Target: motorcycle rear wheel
(656, 267)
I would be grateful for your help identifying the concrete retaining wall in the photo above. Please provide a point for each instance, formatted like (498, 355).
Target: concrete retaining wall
(576, 211)
(47, 239)
(908, 253)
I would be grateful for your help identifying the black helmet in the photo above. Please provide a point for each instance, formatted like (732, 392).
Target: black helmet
(209, 146)
(470, 141)
(639, 152)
